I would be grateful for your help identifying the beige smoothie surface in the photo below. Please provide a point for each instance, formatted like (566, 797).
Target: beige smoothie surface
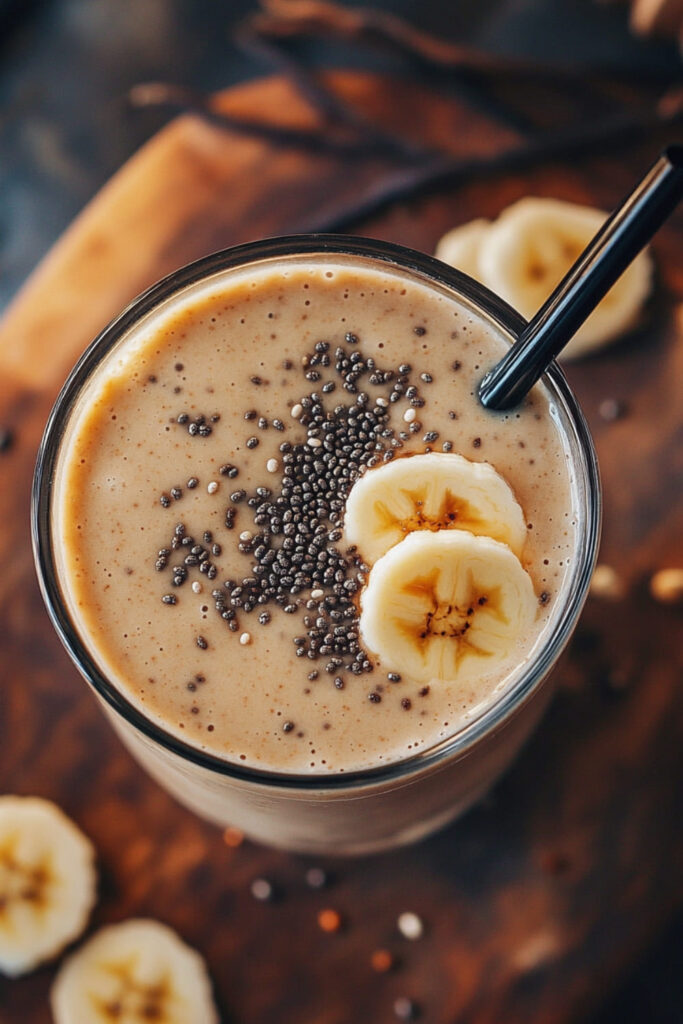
(199, 523)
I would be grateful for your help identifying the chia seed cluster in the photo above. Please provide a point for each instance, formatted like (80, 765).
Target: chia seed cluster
(297, 560)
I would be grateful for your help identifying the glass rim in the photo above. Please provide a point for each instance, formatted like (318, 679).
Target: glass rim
(427, 267)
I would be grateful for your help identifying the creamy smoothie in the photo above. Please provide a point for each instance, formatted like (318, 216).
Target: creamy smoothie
(199, 509)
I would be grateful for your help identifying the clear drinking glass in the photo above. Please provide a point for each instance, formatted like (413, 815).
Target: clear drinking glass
(377, 808)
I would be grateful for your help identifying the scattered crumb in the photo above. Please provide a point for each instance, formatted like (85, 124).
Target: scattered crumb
(329, 920)
(262, 890)
(666, 586)
(233, 837)
(410, 925)
(382, 961)
(607, 584)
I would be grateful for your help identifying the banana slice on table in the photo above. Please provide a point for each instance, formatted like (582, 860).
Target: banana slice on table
(460, 246)
(529, 249)
(47, 882)
(446, 606)
(133, 972)
(435, 491)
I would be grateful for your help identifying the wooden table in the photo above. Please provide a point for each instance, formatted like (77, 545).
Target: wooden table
(535, 904)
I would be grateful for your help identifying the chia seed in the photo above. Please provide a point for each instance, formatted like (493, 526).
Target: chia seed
(295, 525)
(202, 642)
(6, 440)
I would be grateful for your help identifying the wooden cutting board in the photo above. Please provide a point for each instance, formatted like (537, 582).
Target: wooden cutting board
(537, 903)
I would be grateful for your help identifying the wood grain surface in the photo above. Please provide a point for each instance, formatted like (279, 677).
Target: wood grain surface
(536, 903)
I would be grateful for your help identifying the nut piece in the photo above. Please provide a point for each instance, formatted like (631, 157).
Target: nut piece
(667, 586)
(329, 920)
(410, 925)
(607, 584)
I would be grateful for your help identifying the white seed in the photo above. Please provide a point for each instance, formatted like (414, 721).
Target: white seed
(212, 487)
(381, 402)
(245, 639)
(667, 586)
(197, 587)
(607, 583)
(315, 442)
(297, 410)
(317, 594)
(272, 465)
(410, 925)
(261, 889)
(409, 415)
(246, 535)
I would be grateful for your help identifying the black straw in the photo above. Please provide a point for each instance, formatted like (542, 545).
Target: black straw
(616, 244)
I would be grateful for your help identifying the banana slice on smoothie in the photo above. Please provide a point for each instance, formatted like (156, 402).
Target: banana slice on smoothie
(436, 491)
(528, 250)
(446, 606)
(136, 971)
(47, 882)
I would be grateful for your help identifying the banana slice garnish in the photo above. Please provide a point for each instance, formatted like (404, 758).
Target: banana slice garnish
(526, 252)
(446, 606)
(134, 973)
(436, 491)
(47, 882)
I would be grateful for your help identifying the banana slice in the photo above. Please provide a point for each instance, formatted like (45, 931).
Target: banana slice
(132, 972)
(47, 882)
(446, 606)
(528, 250)
(435, 491)
(460, 247)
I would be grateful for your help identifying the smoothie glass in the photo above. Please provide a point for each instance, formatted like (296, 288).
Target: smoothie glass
(380, 807)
